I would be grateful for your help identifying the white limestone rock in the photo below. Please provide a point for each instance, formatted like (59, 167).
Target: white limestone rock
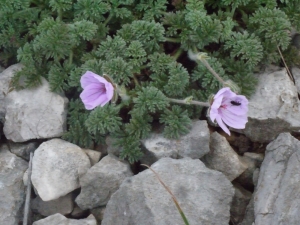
(35, 113)
(63, 205)
(23, 149)
(58, 219)
(12, 190)
(274, 107)
(276, 196)
(239, 203)
(93, 155)
(223, 158)
(57, 166)
(5, 87)
(195, 144)
(101, 181)
(204, 195)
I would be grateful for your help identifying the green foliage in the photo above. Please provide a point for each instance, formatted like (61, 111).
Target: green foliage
(143, 46)
(150, 34)
(151, 9)
(273, 27)
(130, 147)
(177, 122)
(103, 120)
(150, 99)
(119, 70)
(139, 126)
(78, 133)
(241, 45)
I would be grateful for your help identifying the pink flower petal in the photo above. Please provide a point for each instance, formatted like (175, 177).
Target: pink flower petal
(109, 90)
(217, 102)
(233, 120)
(222, 92)
(90, 77)
(92, 92)
(222, 125)
(237, 109)
(230, 109)
(96, 90)
(213, 113)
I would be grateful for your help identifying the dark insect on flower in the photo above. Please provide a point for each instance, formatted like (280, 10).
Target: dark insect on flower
(235, 103)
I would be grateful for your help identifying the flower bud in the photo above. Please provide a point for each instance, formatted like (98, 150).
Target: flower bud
(188, 100)
(122, 93)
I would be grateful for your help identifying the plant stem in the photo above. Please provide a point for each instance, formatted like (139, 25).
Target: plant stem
(108, 19)
(173, 40)
(71, 58)
(177, 53)
(206, 64)
(206, 104)
(286, 67)
(60, 14)
(136, 82)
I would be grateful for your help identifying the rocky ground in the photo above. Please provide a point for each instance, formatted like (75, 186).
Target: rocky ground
(250, 177)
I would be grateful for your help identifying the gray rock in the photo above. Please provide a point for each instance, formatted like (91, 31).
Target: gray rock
(57, 166)
(35, 113)
(204, 195)
(252, 161)
(223, 158)
(194, 145)
(12, 190)
(63, 205)
(78, 212)
(98, 213)
(111, 148)
(239, 203)
(249, 214)
(23, 150)
(273, 108)
(296, 74)
(255, 176)
(93, 155)
(101, 181)
(58, 219)
(25, 178)
(5, 79)
(276, 197)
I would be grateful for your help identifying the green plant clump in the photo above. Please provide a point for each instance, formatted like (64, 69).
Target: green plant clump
(142, 45)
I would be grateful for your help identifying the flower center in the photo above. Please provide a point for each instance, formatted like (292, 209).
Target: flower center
(223, 106)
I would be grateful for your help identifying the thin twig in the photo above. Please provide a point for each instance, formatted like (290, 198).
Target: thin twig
(206, 64)
(192, 102)
(28, 192)
(173, 196)
(286, 67)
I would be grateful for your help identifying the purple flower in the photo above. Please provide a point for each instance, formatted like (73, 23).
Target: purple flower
(96, 90)
(229, 108)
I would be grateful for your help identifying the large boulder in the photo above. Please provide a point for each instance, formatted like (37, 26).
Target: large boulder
(12, 190)
(204, 195)
(57, 166)
(276, 197)
(274, 107)
(35, 113)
